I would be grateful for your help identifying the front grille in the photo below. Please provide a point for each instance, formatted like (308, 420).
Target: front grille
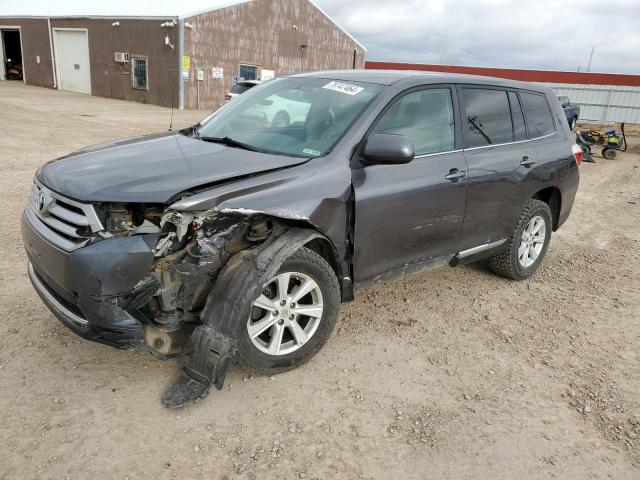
(64, 222)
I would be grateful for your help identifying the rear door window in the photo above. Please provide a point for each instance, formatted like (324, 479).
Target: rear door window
(487, 116)
(425, 117)
(537, 113)
(519, 130)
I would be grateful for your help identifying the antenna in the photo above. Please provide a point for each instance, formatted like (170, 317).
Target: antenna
(173, 98)
(590, 58)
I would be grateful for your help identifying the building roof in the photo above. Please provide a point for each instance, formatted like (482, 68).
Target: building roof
(540, 76)
(111, 8)
(127, 8)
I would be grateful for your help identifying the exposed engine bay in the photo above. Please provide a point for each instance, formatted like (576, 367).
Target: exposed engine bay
(190, 252)
(207, 269)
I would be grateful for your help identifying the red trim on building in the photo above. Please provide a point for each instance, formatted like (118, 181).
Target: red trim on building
(582, 78)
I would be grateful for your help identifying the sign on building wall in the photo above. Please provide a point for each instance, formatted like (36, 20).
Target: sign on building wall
(217, 73)
(186, 66)
(267, 74)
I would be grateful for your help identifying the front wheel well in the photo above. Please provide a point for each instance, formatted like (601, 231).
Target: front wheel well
(552, 197)
(323, 247)
(320, 245)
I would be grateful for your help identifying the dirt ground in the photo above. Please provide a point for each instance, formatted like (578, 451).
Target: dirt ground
(454, 373)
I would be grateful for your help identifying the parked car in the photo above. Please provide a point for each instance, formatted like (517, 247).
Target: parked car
(239, 88)
(571, 111)
(282, 109)
(233, 238)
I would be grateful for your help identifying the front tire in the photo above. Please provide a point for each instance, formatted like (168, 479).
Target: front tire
(528, 243)
(294, 316)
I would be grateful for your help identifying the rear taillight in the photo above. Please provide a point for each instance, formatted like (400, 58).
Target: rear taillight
(577, 154)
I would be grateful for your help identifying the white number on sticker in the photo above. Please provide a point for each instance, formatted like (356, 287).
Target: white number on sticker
(343, 87)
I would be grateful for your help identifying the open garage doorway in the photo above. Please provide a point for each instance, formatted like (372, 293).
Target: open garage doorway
(11, 45)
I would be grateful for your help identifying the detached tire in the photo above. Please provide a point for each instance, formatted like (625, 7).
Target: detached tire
(528, 243)
(294, 316)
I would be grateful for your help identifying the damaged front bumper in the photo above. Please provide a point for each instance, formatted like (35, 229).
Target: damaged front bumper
(82, 287)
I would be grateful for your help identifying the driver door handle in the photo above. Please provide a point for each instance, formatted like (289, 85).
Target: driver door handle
(455, 174)
(527, 161)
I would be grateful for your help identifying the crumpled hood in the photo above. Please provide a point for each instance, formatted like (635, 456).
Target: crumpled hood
(152, 169)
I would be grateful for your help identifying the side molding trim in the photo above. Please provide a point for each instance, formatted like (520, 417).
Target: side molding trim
(480, 248)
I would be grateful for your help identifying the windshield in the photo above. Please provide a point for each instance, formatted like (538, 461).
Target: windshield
(303, 117)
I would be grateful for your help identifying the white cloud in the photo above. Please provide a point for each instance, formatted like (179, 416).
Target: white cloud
(544, 34)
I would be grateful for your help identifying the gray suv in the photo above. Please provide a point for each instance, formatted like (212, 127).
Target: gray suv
(238, 238)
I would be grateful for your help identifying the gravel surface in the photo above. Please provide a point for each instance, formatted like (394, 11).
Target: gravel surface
(454, 373)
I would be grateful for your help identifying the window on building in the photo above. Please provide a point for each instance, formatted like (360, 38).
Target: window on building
(425, 117)
(139, 69)
(248, 72)
(488, 116)
(537, 113)
(519, 131)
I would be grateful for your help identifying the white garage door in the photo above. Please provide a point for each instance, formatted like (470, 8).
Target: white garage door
(72, 60)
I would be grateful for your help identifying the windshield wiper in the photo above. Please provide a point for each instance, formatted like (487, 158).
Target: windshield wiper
(230, 142)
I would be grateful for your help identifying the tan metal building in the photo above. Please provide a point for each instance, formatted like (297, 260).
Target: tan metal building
(187, 61)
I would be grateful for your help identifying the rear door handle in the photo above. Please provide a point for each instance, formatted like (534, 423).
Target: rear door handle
(527, 161)
(455, 174)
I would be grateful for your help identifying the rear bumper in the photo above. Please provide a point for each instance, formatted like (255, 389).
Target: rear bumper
(568, 191)
(81, 288)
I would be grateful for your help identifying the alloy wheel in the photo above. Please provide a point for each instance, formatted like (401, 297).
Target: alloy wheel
(532, 241)
(286, 315)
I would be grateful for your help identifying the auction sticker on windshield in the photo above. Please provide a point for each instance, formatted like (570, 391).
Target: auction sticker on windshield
(310, 151)
(343, 87)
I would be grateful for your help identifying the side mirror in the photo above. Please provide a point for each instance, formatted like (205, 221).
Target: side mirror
(385, 149)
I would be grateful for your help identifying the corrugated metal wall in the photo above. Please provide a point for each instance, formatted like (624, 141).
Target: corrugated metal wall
(603, 103)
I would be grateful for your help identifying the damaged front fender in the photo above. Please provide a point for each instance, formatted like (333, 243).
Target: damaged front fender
(317, 195)
(228, 304)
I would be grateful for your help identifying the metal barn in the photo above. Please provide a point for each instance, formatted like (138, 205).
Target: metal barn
(146, 52)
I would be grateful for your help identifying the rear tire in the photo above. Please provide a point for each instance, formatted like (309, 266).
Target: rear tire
(307, 265)
(527, 246)
(572, 123)
(609, 153)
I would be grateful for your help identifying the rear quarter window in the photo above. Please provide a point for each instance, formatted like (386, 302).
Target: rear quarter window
(537, 114)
